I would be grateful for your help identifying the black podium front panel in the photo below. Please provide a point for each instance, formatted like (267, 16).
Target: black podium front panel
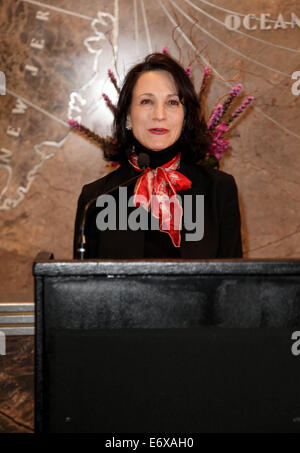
(172, 380)
(137, 346)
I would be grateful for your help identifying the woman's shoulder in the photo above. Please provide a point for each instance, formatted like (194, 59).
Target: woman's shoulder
(219, 176)
(209, 175)
(107, 182)
(224, 185)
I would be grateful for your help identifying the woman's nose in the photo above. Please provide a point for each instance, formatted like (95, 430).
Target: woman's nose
(159, 111)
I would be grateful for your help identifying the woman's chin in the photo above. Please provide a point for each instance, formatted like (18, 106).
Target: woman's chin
(157, 144)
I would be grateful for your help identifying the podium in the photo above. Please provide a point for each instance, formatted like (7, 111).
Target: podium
(173, 346)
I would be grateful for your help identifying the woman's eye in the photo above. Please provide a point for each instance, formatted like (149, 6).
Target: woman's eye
(171, 102)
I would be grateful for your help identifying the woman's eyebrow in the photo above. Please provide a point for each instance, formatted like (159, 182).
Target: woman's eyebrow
(151, 94)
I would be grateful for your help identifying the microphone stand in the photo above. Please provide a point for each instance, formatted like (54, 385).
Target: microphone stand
(82, 244)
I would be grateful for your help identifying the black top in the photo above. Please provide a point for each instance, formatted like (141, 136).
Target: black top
(222, 236)
(157, 158)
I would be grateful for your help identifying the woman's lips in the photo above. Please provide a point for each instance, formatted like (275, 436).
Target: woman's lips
(158, 131)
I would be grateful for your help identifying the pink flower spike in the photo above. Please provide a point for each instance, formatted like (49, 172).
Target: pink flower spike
(74, 124)
(165, 50)
(236, 89)
(215, 117)
(107, 99)
(188, 70)
(219, 145)
(222, 127)
(111, 76)
(242, 107)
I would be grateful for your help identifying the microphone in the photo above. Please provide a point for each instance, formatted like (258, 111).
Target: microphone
(143, 162)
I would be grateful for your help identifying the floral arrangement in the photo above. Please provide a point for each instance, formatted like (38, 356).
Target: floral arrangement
(218, 127)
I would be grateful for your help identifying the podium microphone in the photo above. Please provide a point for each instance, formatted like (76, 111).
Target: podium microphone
(144, 162)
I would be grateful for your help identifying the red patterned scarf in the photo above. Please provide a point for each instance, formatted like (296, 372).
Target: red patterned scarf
(157, 189)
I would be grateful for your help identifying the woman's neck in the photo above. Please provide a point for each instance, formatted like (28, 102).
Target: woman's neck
(157, 158)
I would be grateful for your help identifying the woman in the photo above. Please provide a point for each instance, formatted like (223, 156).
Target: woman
(158, 115)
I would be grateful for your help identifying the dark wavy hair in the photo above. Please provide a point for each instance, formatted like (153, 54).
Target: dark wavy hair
(194, 137)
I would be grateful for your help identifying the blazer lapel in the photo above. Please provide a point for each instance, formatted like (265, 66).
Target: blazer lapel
(200, 186)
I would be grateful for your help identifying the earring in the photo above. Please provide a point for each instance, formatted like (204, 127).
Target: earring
(128, 125)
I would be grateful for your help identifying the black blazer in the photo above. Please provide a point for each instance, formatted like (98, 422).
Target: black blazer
(222, 235)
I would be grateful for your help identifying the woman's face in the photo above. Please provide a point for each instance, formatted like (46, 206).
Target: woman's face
(156, 113)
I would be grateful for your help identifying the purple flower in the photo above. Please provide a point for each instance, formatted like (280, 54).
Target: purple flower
(222, 127)
(74, 124)
(188, 70)
(107, 100)
(112, 77)
(207, 70)
(215, 117)
(206, 75)
(219, 144)
(244, 105)
(236, 90)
